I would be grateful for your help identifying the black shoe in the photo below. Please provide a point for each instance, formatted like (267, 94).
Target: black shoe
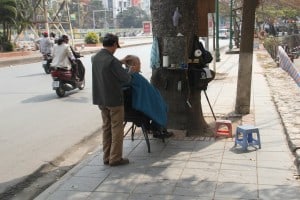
(123, 161)
(162, 134)
(106, 162)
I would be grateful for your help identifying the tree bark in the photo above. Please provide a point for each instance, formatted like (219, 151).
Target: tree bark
(246, 55)
(184, 102)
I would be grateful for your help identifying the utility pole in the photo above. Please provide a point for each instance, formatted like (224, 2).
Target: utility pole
(217, 32)
(70, 24)
(243, 94)
(46, 15)
(78, 4)
(231, 31)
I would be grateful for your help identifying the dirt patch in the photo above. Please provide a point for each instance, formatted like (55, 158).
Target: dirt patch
(14, 54)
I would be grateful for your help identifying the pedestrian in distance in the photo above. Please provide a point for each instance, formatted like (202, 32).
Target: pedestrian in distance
(108, 78)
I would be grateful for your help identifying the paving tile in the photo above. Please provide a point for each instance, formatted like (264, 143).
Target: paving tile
(203, 164)
(165, 173)
(274, 147)
(163, 187)
(213, 155)
(175, 154)
(108, 196)
(243, 164)
(279, 192)
(210, 145)
(144, 161)
(84, 184)
(238, 176)
(270, 176)
(275, 165)
(94, 171)
(228, 190)
(195, 188)
(275, 156)
(127, 171)
(170, 163)
(199, 174)
(124, 185)
(181, 145)
(162, 197)
(237, 153)
(97, 160)
(69, 195)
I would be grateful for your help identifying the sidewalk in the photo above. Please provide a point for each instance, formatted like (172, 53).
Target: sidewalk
(197, 167)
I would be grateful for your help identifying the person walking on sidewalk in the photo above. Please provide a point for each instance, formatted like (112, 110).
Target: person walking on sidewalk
(108, 77)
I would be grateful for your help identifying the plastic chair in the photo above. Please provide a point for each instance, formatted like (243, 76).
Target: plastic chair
(223, 128)
(244, 136)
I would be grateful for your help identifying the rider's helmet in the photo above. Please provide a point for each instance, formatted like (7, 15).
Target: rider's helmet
(45, 34)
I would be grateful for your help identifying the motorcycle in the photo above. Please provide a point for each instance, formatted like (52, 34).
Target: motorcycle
(47, 59)
(296, 52)
(67, 80)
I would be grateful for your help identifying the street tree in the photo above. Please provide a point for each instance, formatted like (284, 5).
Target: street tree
(8, 13)
(243, 94)
(132, 17)
(25, 12)
(94, 13)
(175, 23)
(270, 11)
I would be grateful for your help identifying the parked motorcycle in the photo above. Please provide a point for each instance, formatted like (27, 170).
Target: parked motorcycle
(296, 52)
(47, 59)
(67, 80)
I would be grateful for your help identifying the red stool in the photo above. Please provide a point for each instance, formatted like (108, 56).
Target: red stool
(223, 128)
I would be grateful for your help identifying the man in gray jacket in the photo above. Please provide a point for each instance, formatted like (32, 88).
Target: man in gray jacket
(108, 78)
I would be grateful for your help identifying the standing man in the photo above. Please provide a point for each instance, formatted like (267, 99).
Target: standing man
(108, 78)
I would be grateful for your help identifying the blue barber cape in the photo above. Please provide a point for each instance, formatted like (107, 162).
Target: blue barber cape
(147, 99)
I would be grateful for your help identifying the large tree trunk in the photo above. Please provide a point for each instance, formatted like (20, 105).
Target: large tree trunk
(173, 82)
(243, 95)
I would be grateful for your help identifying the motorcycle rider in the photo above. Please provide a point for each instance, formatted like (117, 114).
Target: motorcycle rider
(62, 54)
(53, 38)
(46, 44)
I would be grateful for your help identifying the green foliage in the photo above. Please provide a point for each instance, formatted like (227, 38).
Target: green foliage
(8, 14)
(7, 46)
(8, 9)
(133, 17)
(24, 15)
(271, 44)
(91, 38)
(281, 9)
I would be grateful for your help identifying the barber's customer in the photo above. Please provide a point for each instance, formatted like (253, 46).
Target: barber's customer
(108, 78)
(132, 62)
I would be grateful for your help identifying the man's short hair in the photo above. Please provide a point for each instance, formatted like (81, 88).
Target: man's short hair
(110, 39)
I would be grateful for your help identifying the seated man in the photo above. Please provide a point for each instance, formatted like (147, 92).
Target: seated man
(145, 97)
